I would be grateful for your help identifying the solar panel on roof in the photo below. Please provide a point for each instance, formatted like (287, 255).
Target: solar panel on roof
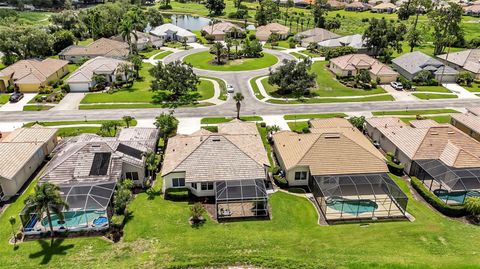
(100, 164)
(135, 153)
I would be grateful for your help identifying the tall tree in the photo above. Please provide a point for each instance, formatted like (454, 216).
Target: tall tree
(46, 200)
(381, 37)
(293, 77)
(238, 98)
(215, 7)
(128, 120)
(217, 49)
(167, 126)
(319, 12)
(446, 22)
(154, 17)
(151, 161)
(414, 35)
(174, 83)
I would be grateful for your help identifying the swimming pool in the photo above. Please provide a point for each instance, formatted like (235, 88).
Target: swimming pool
(458, 197)
(354, 207)
(73, 219)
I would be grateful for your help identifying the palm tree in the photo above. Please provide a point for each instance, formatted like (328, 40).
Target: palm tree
(46, 200)
(126, 69)
(308, 21)
(184, 42)
(236, 43)
(151, 161)
(127, 30)
(128, 120)
(238, 97)
(217, 49)
(228, 44)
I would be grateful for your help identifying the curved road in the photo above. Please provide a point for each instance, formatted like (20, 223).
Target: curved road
(250, 106)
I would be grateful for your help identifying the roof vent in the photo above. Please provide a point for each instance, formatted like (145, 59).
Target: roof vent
(216, 139)
(451, 132)
(330, 136)
(434, 133)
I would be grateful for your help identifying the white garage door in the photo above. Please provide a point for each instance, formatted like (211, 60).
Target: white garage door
(78, 87)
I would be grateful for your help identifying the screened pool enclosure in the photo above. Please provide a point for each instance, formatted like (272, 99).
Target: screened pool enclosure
(88, 210)
(241, 198)
(360, 196)
(452, 185)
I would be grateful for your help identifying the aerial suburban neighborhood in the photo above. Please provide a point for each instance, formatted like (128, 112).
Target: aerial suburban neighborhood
(239, 134)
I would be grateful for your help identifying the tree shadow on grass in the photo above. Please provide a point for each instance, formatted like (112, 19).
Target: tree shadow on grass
(48, 251)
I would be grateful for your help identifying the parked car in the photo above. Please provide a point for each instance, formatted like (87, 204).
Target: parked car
(396, 85)
(230, 89)
(15, 97)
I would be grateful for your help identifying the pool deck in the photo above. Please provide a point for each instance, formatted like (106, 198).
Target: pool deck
(39, 228)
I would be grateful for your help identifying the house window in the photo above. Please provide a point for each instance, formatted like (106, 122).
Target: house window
(1, 192)
(301, 175)
(131, 175)
(178, 182)
(194, 186)
(349, 73)
(207, 186)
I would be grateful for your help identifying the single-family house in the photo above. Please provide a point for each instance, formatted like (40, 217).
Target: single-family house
(82, 80)
(355, 41)
(410, 64)
(343, 170)
(473, 10)
(221, 30)
(474, 110)
(30, 75)
(314, 35)
(443, 157)
(263, 32)
(336, 5)
(101, 47)
(231, 166)
(351, 64)
(468, 123)
(385, 8)
(86, 169)
(141, 40)
(468, 60)
(303, 3)
(22, 152)
(170, 32)
(357, 6)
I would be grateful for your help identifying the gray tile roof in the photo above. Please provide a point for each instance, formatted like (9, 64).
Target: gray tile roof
(417, 61)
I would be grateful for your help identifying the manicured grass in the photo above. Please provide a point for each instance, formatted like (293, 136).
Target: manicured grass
(314, 116)
(297, 55)
(223, 87)
(202, 60)
(133, 106)
(428, 96)
(163, 55)
(473, 88)
(35, 17)
(414, 112)
(205, 89)
(75, 122)
(268, 148)
(85, 42)
(256, 91)
(309, 53)
(432, 89)
(36, 107)
(439, 119)
(148, 54)
(74, 131)
(2, 65)
(333, 100)
(297, 126)
(4, 98)
(217, 120)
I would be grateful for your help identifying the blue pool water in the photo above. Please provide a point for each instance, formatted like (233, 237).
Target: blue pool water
(354, 207)
(73, 219)
(100, 221)
(458, 197)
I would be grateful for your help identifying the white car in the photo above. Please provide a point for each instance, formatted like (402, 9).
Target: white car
(230, 89)
(396, 85)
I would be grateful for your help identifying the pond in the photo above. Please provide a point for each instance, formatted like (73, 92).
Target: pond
(189, 22)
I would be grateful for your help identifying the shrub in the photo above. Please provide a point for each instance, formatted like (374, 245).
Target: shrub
(196, 212)
(306, 130)
(407, 84)
(465, 78)
(437, 203)
(65, 88)
(177, 194)
(117, 221)
(252, 37)
(393, 167)
(275, 170)
(263, 124)
(210, 38)
(280, 181)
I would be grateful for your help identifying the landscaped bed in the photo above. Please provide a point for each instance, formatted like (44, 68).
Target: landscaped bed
(205, 60)
(428, 96)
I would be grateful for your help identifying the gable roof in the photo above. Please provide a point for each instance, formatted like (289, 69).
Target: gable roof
(468, 59)
(355, 41)
(220, 28)
(99, 47)
(376, 122)
(417, 61)
(316, 35)
(470, 120)
(33, 71)
(168, 27)
(385, 6)
(235, 152)
(98, 64)
(330, 151)
(362, 61)
(267, 30)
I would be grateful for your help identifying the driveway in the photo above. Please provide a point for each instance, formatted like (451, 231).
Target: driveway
(459, 90)
(399, 95)
(70, 101)
(188, 125)
(18, 106)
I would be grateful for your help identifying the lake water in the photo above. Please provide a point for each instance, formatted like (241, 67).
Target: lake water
(190, 22)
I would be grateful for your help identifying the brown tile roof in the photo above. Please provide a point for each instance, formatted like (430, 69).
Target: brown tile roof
(220, 28)
(468, 59)
(362, 61)
(376, 122)
(469, 120)
(474, 110)
(329, 151)
(235, 152)
(423, 123)
(33, 71)
(330, 123)
(267, 30)
(100, 47)
(317, 35)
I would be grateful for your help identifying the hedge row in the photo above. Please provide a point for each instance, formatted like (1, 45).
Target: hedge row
(280, 181)
(177, 194)
(437, 203)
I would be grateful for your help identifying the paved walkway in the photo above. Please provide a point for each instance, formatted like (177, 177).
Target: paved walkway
(298, 49)
(188, 125)
(18, 106)
(459, 90)
(71, 101)
(217, 92)
(154, 61)
(10, 126)
(276, 120)
(145, 123)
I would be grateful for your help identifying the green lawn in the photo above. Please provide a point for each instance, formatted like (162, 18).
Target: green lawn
(75, 122)
(133, 106)
(202, 60)
(311, 54)
(4, 98)
(85, 42)
(36, 107)
(205, 89)
(439, 119)
(223, 87)
(428, 96)
(163, 55)
(297, 55)
(473, 88)
(414, 112)
(217, 120)
(148, 54)
(255, 89)
(297, 126)
(35, 17)
(432, 89)
(314, 116)
(333, 100)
